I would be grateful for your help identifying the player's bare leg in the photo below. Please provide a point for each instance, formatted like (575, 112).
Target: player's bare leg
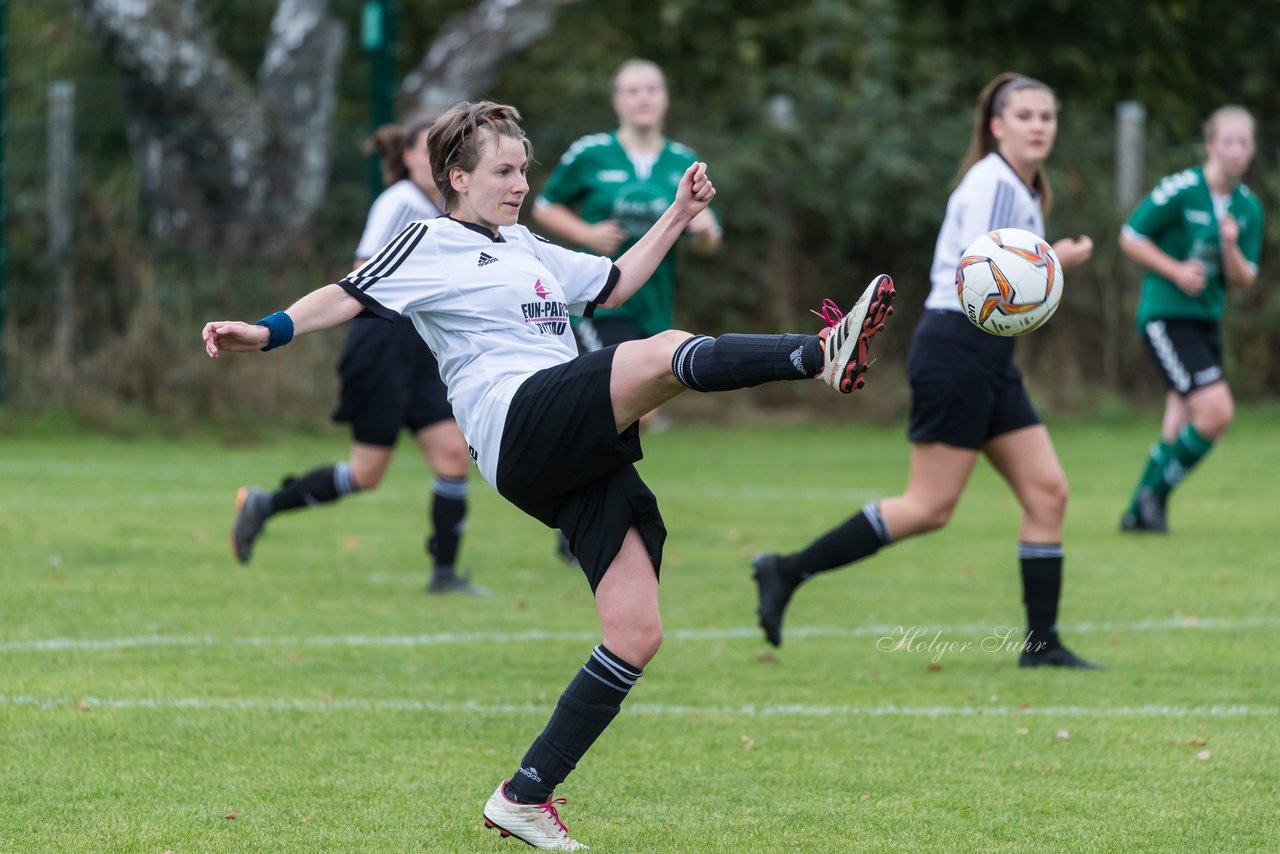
(1026, 459)
(936, 480)
(631, 627)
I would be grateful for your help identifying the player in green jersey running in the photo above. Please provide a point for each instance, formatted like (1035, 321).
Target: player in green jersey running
(1199, 231)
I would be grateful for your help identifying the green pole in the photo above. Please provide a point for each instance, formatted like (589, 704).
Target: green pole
(379, 41)
(4, 246)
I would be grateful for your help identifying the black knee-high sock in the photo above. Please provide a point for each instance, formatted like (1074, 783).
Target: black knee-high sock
(1041, 588)
(859, 536)
(586, 707)
(448, 519)
(741, 361)
(318, 486)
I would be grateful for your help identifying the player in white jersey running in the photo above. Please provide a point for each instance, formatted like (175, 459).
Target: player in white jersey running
(967, 396)
(390, 382)
(554, 432)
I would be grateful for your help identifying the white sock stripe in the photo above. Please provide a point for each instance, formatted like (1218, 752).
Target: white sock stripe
(623, 673)
(625, 682)
(1168, 356)
(677, 362)
(872, 511)
(343, 480)
(615, 661)
(450, 487)
(1034, 550)
(682, 361)
(614, 685)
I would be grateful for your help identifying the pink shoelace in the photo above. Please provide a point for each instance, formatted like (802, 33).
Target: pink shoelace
(830, 313)
(550, 809)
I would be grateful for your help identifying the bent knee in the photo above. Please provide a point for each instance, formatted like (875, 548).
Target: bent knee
(367, 479)
(1049, 498)
(648, 638)
(667, 342)
(1214, 423)
(936, 517)
(453, 462)
(637, 645)
(924, 517)
(652, 642)
(1212, 410)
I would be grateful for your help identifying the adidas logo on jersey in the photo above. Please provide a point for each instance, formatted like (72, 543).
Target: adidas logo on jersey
(485, 258)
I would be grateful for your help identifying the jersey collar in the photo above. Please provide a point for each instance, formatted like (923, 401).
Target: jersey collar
(479, 229)
(1014, 172)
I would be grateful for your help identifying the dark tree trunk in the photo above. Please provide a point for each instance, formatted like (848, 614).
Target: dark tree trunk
(227, 167)
(464, 58)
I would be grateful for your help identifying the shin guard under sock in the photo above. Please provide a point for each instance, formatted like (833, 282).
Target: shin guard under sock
(318, 486)
(1041, 567)
(859, 536)
(741, 361)
(586, 707)
(448, 520)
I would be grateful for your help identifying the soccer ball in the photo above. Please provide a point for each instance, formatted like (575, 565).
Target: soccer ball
(1009, 282)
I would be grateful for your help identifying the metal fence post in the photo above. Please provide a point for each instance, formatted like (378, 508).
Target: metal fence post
(378, 37)
(4, 245)
(1131, 120)
(60, 187)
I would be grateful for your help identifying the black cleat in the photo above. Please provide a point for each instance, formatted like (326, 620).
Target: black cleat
(774, 592)
(1055, 656)
(454, 583)
(253, 506)
(1150, 516)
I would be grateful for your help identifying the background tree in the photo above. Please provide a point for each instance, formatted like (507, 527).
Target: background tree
(226, 166)
(834, 131)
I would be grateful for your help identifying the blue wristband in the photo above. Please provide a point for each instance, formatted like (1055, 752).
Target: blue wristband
(280, 327)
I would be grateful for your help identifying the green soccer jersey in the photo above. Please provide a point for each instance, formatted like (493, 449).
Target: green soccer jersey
(1179, 218)
(598, 179)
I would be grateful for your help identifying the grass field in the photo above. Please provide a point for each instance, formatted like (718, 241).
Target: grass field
(156, 696)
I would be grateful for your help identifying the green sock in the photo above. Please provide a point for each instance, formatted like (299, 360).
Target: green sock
(1186, 452)
(1153, 475)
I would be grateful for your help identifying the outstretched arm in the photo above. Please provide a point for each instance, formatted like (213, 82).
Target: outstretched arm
(638, 263)
(323, 308)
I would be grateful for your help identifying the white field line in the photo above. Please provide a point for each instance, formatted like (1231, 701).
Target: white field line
(268, 704)
(973, 633)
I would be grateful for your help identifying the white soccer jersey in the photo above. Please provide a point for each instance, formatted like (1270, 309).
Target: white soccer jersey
(989, 196)
(397, 206)
(494, 310)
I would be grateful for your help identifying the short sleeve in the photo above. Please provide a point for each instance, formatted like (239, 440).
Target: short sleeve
(1158, 211)
(565, 186)
(397, 277)
(586, 279)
